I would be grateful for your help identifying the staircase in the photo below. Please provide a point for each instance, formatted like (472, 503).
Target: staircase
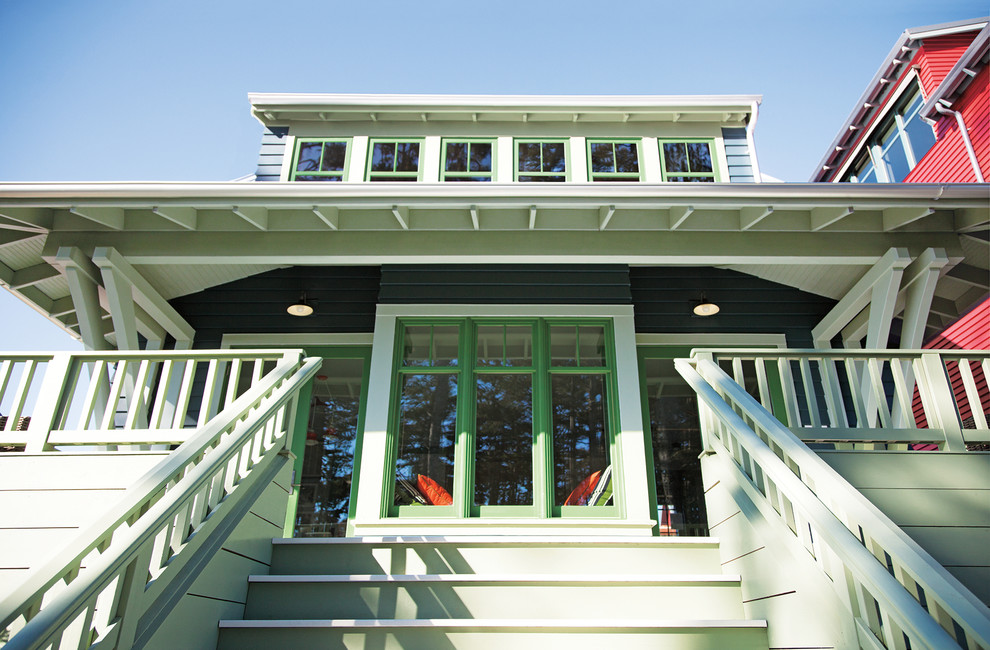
(494, 592)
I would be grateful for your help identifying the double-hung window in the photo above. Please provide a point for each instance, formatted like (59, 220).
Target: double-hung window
(688, 161)
(468, 160)
(613, 160)
(394, 160)
(541, 161)
(320, 160)
(503, 417)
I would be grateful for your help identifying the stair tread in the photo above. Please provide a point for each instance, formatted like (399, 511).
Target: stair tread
(528, 578)
(492, 624)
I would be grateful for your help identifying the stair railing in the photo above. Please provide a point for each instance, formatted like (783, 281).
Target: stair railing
(790, 483)
(117, 581)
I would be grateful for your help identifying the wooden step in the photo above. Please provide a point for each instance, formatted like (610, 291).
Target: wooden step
(498, 596)
(494, 634)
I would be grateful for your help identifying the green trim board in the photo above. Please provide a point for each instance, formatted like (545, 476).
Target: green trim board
(468, 159)
(320, 159)
(395, 159)
(508, 393)
(541, 160)
(613, 159)
(689, 160)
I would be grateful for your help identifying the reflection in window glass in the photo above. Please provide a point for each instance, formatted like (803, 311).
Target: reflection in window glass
(563, 345)
(331, 431)
(687, 162)
(394, 161)
(467, 161)
(504, 440)
(505, 345)
(591, 345)
(427, 425)
(320, 161)
(614, 161)
(430, 345)
(676, 437)
(541, 161)
(580, 439)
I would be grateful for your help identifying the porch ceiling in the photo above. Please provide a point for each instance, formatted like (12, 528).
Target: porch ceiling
(185, 237)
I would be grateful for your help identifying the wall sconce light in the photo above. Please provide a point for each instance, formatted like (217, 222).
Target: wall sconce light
(704, 307)
(301, 307)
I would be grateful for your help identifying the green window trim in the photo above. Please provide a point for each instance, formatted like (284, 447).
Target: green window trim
(539, 160)
(467, 371)
(689, 160)
(320, 159)
(614, 159)
(477, 165)
(394, 159)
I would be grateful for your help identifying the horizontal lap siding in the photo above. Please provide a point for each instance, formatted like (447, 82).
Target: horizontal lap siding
(270, 158)
(506, 284)
(737, 155)
(664, 296)
(936, 56)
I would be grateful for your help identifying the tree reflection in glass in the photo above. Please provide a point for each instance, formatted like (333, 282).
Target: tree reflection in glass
(580, 436)
(427, 427)
(504, 440)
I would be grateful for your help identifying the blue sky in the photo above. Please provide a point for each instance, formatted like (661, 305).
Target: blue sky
(157, 90)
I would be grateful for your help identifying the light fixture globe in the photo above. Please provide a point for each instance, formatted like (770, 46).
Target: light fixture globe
(301, 307)
(705, 307)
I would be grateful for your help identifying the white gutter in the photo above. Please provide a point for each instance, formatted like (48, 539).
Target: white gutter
(965, 136)
(754, 113)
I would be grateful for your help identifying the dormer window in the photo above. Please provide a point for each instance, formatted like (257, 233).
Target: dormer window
(394, 160)
(541, 161)
(687, 161)
(467, 160)
(614, 160)
(320, 160)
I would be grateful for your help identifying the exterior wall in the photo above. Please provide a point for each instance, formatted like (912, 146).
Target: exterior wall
(936, 56)
(272, 149)
(45, 499)
(738, 156)
(948, 161)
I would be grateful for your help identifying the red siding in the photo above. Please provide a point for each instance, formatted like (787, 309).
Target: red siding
(948, 161)
(936, 56)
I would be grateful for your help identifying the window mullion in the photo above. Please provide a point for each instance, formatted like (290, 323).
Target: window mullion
(542, 445)
(466, 410)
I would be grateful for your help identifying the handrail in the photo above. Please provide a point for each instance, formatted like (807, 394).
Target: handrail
(788, 481)
(170, 510)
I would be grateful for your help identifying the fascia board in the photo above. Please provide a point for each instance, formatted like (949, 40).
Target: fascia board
(974, 58)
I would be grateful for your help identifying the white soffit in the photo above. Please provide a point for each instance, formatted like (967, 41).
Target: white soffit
(829, 281)
(174, 280)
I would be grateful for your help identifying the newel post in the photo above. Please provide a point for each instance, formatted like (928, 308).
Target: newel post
(50, 399)
(939, 401)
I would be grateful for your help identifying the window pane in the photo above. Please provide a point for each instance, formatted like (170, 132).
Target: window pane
(700, 157)
(319, 178)
(504, 441)
(481, 156)
(921, 135)
(416, 346)
(580, 440)
(309, 157)
(445, 342)
(690, 179)
(675, 157)
(541, 179)
(563, 345)
(427, 426)
(602, 158)
(407, 157)
(333, 156)
(456, 160)
(529, 156)
(491, 345)
(676, 436)
(468, 179)
(626, 159)
(325, 483)
(592, 345)
(383, 157)
(894, 158)
(518, 345)
(553, 157)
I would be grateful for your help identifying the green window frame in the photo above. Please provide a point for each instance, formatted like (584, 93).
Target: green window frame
(541, 160)
(467, 160)
(394, 159)
(321, 159)
(690, 160)
(614, 160)
(547, 367)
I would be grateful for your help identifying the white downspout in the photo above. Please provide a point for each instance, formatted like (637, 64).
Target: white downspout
(965, 136)
(750, 127)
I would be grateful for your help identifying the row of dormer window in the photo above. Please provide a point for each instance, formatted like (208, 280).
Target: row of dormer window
(534, 160)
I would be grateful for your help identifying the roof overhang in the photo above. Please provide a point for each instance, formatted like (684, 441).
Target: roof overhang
(974, 59)
(281, 109)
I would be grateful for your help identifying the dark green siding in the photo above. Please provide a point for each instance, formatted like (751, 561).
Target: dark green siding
(664, 297)
(506, 284)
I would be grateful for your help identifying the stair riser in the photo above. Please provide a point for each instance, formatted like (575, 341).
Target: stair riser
(505, 601)
(446, 559)
(694, 639)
